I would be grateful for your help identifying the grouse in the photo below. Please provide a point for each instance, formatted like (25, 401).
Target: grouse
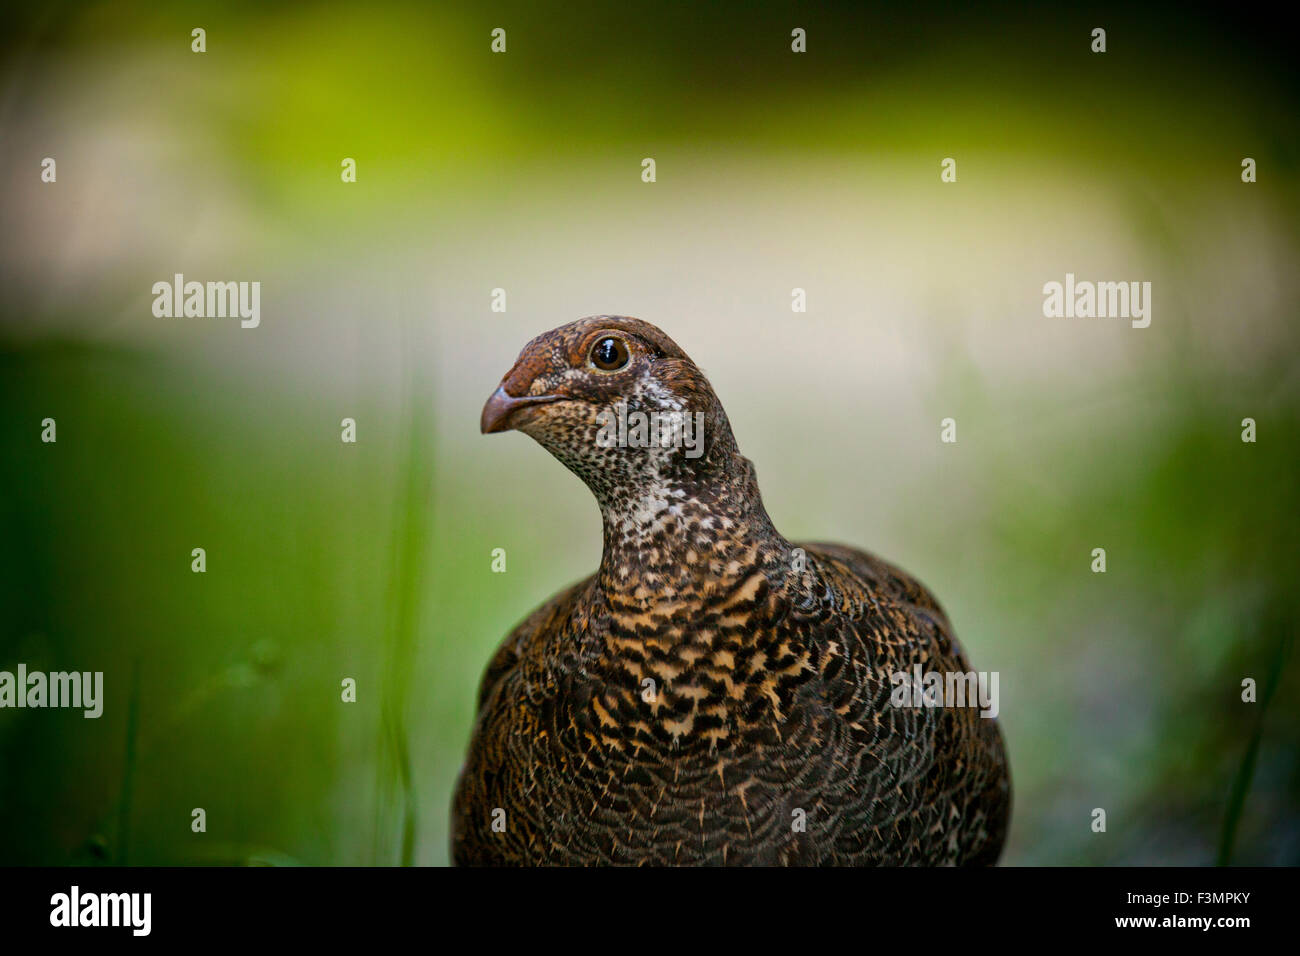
(714, 694)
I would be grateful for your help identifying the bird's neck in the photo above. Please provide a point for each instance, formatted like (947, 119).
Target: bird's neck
(667, 539)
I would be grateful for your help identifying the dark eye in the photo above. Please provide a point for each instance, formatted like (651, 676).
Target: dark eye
(609, 354)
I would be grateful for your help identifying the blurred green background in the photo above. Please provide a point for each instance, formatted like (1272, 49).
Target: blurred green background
(522, 171)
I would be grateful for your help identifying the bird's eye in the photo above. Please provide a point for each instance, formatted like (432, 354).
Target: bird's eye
(609, 354)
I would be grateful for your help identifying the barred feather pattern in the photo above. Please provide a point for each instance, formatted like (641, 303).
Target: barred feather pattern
(714, 694)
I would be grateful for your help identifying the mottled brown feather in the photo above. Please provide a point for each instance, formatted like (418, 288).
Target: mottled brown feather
(770, 665)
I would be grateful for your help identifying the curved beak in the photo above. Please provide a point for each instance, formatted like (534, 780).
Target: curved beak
(500, 408)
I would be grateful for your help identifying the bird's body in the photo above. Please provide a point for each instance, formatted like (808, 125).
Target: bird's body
(714, 694)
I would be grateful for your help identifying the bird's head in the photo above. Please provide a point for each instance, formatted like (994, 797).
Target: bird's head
(619, 403)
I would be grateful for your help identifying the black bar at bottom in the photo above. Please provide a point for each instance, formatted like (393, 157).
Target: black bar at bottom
(639, 908)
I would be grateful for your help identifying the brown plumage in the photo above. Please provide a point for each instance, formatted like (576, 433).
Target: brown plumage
(713, 694)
